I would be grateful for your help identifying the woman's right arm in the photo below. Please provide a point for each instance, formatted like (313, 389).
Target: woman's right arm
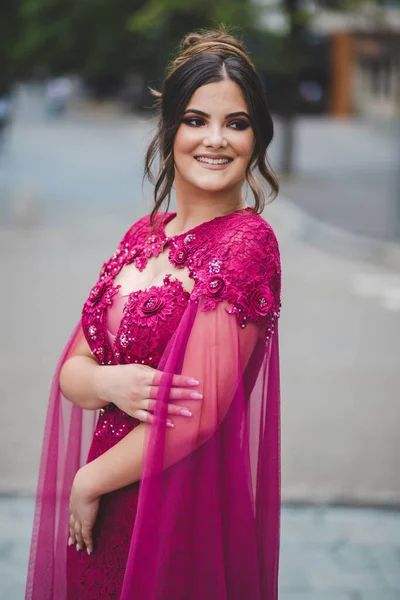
(133, 388)
(79, 378)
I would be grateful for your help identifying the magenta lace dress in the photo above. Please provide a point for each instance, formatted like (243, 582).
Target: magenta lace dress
(137, 329)
(234, 263)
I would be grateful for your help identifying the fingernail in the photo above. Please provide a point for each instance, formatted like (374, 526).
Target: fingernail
(70, 542)
(77, 548)
(185, 413)
(192, 382)
(89, 551)
(196, 395)
(170, 424)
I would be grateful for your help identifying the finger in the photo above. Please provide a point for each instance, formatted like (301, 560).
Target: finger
(143, 415)
(148, 405)
(88, 539)
(78, 535)
(172, 409)
(176, 380)
(147, 417)
(181, 411)
(184, 381)
(175, 393)
(72, 538)
(184, 394)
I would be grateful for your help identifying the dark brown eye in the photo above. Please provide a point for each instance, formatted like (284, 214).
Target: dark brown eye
(239, 125)
(193, 121)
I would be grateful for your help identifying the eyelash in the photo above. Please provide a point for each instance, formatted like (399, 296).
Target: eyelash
(243, 124)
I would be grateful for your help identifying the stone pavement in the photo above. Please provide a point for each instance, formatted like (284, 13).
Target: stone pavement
(326, 553)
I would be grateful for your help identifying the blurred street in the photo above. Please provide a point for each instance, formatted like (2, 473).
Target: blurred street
(347, 174)
(326, 554)
(69, 189)
(346, 170)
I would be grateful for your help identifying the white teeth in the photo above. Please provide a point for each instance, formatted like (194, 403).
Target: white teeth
(212, 161)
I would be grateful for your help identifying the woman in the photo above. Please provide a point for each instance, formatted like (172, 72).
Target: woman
(179, 497)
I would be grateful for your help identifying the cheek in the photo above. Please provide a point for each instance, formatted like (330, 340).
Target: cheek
(245, 145)
(185, 140)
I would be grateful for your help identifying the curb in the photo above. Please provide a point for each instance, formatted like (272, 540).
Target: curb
(303, 226)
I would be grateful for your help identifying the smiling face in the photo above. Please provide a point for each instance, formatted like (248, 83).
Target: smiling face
(215, 141)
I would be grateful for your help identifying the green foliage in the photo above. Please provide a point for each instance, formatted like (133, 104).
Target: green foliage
(159, 14)
(85, 36)
(9, 31)
(105, 39)
(169, 20)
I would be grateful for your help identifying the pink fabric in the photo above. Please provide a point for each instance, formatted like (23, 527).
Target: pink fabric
(204, 520)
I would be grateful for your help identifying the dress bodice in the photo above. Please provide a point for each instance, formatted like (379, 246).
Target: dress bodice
(139, 325)
(233, 258)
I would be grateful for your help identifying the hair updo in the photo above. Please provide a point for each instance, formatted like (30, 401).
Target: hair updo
(209, 57)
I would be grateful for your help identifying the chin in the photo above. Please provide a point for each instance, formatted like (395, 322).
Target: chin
(213, 184)
(212, 187)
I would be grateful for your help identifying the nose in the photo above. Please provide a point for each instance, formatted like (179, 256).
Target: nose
(215, 139)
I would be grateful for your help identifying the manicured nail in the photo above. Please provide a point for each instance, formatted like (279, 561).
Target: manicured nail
(196, 395)
(77, 548)
(192, 382)
(70, 542)
(170, 424)
(185, 413)
(89, 551)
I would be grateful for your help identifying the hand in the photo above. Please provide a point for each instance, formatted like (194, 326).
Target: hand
(83, 509)
(133, 388)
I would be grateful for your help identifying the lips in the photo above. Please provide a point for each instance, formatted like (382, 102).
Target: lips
(213, 162)
(214, 157)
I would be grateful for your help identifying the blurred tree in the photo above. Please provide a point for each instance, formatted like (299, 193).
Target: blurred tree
(165, 22)
(105, 39)
(289, 55)
(89, 37)
(9, 30)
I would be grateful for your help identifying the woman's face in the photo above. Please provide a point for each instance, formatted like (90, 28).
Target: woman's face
(215, 141)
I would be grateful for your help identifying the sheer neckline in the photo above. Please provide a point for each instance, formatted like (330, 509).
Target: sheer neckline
(177, 239)
(171, 216)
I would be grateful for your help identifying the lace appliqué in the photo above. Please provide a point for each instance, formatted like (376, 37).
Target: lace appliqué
(234, 259)
(150, 318)
(93, 318)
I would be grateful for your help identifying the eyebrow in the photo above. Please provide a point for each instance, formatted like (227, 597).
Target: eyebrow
(239, 113)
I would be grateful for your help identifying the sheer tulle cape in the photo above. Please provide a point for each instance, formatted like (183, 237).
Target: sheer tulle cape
(207, 524)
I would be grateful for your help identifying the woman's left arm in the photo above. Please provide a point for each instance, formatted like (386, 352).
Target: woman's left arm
(120, 466)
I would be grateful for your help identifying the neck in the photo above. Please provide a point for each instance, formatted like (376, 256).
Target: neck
(195, 206)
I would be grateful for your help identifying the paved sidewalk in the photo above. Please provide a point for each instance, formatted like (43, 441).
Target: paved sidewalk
(346, 173)
(326, 553)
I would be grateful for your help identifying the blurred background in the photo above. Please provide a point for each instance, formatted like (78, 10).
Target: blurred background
(75, 120)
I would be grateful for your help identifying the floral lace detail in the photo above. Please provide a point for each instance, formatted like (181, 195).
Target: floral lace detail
(236, 259)
(93, 318)
(233, 258)
(150, 318)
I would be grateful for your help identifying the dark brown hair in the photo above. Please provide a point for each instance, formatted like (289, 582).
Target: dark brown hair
(208, 57)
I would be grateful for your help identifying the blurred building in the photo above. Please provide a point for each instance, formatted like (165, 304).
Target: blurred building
(352, 64)
(365, 61)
